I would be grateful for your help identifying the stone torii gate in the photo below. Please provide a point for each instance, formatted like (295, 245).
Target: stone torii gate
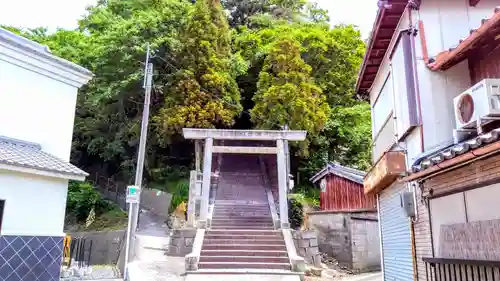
(209, 135)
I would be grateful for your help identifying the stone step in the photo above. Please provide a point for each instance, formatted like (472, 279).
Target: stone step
(239, 218)
(243, 247)
(276, 241)
(242, 237)
(242, 211)
(252, 232)
(262, 259)
(242, 252)
(238, 207)
(242, 227)
(248, 274)
(254, 201)
(231, 265)
(228, 204)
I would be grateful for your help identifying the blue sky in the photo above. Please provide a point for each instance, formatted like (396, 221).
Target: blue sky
(65, 13)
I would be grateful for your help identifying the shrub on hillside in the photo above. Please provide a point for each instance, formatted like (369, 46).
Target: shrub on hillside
(295, 213)
(82, 198)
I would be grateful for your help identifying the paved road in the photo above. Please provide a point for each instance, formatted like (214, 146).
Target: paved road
(151, 224)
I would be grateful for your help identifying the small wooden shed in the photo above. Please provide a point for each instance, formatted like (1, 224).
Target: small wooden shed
(342, 189)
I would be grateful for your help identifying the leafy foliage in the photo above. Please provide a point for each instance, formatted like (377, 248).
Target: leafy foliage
(295, 213)
(263, 64)
(286, 92)
(84, 199)
(204, 93)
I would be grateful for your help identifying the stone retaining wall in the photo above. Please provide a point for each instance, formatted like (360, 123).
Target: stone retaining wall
(181, 242)
(307, 247)
(350, 237)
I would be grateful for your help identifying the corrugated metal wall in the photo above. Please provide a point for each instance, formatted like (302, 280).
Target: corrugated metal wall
(343, 194)
(485, 66)
(396, 242)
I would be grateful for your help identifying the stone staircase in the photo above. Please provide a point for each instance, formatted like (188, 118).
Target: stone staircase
(242, 234)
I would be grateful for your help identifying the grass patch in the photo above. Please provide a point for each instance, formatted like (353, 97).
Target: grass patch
(306, 195)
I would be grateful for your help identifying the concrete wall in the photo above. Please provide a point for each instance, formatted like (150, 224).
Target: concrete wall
(106, 245)
(34, 205)
(365, 243)
(352, 242)
(156, 201)
(177, 243)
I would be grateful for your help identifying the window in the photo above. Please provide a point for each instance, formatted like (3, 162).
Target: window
(2, 204)
(382, 108)
(383, 123)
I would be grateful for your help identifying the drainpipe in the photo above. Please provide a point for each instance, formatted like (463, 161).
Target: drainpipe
(380, 234)
(421, 131)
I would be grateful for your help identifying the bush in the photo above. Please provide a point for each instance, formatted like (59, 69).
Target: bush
(295, 213)
(180, 193)
(307, 195)
(82, 198)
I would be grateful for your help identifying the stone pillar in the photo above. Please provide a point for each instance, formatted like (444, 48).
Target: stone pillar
(197, 152)
(282, 186)
(207, 174)
(191, 200)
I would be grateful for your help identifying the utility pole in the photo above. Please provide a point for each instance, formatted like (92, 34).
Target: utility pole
(134, 208)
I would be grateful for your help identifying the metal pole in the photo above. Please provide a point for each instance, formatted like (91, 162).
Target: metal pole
(134, 207)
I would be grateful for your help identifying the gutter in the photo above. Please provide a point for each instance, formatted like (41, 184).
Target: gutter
(376, 26)
(456, 162)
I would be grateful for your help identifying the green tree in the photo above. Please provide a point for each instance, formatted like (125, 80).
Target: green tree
(109, 110)
(204, 92)
(241, 11)
(286, 92)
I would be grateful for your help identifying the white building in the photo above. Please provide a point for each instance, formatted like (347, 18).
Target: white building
(422, 55)
(37, 108)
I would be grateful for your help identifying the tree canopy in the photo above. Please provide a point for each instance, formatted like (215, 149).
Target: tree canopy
(233, 64)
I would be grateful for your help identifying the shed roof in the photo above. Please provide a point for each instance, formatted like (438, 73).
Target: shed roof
(341, 171)
(30, 155)
(487, 33)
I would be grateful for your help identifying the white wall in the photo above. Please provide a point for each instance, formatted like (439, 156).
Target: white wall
(474, 205)
(33, 205)
(36, 108)
(446, 210)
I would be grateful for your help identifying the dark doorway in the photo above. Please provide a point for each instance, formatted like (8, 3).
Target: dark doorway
(2, 205)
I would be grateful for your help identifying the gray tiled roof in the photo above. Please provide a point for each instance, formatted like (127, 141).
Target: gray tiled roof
(30, 155)
(341, 171)
(456, 150)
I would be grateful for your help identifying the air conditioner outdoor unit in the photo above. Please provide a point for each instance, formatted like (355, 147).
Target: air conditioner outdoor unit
(478, 104)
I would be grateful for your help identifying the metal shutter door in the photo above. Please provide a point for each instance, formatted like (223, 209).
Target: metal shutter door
(396, 241)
